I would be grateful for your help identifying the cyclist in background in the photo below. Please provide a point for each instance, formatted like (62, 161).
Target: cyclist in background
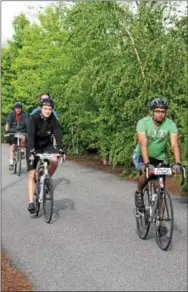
(16, 122)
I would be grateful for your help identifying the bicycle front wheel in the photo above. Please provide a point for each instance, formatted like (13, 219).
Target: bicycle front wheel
(48, 199)
(19, 161)
(36, 199)
(142, 218)
(164, 220)
(14, 165)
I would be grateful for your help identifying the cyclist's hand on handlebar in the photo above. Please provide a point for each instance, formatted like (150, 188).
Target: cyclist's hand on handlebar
(62, 152)
(177, 168)
(7, 132)
(32, 154)
(149, 167)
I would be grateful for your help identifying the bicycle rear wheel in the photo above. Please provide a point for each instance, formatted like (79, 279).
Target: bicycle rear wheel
(142, 218)
(164, 221)
(48, 199)
(19, 161)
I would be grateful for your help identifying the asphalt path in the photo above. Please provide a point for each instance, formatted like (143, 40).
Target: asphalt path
(91, 243)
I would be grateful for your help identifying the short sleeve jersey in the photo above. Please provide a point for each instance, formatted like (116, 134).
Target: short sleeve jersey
(157, 136)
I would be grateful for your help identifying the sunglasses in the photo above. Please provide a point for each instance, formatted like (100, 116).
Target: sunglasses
(47, 100)
(160, 111)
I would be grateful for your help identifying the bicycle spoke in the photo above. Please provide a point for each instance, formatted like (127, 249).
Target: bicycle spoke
(142, 218)
(48, 199)
(19, 161)
(164, 231)
(166, 207)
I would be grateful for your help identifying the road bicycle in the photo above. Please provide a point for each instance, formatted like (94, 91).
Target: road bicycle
(158, 205)
(17, 160)
(44, 186)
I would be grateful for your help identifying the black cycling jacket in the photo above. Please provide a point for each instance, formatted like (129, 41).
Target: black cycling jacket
(39, 131)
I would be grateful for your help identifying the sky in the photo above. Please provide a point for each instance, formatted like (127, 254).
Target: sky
(10, 9)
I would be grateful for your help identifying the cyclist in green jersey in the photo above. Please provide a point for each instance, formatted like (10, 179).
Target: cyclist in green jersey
(153, 133)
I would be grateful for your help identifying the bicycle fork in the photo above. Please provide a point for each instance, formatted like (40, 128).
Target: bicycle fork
(42, 180)
(41, 188)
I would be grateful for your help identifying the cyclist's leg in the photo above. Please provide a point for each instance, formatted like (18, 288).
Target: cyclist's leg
(31, 183)
(139, 164)
(155, 162)
(54, 161)
(22, 145)
(12, 143)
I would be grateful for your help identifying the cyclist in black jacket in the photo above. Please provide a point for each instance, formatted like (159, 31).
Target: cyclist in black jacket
(41, 126)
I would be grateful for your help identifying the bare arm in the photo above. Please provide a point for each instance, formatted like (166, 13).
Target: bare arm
(8, 122)
(142, 140)
(6, 127)
(174, 139)
(57, 133)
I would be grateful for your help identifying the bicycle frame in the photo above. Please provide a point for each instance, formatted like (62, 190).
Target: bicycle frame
(160, 173)
(43, 163)
(158, 205)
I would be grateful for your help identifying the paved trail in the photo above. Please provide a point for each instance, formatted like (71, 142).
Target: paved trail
(91, 244)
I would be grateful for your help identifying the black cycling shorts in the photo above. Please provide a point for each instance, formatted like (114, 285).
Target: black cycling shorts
(11, 139)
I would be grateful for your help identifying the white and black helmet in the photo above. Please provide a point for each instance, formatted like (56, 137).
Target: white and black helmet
(159, 102)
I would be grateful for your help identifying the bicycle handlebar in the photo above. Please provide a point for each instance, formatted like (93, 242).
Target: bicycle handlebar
(47, 155)
(165, 170)
(17, 134)
(43, 156)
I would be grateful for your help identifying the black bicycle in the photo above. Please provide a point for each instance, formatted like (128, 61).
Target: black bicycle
(44, 187)
(17, 160)
(158, 206)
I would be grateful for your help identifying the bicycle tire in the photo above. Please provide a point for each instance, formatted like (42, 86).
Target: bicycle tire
(36, 200)
(19, 161)
(142, 231)
(159, 237)
(48, 197)
(14, 165)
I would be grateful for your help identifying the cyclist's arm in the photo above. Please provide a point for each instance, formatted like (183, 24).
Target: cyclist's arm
(6, 127)
(174, 139)
(31, 133)
(8, 122)
(57, 133)
(142, 140)
(26, 120)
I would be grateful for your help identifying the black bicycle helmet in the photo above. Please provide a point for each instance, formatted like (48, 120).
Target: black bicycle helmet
(159, 102)
(18, 104)
(47, 101)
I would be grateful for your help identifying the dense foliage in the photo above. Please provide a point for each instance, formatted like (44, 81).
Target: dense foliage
(103, 62)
